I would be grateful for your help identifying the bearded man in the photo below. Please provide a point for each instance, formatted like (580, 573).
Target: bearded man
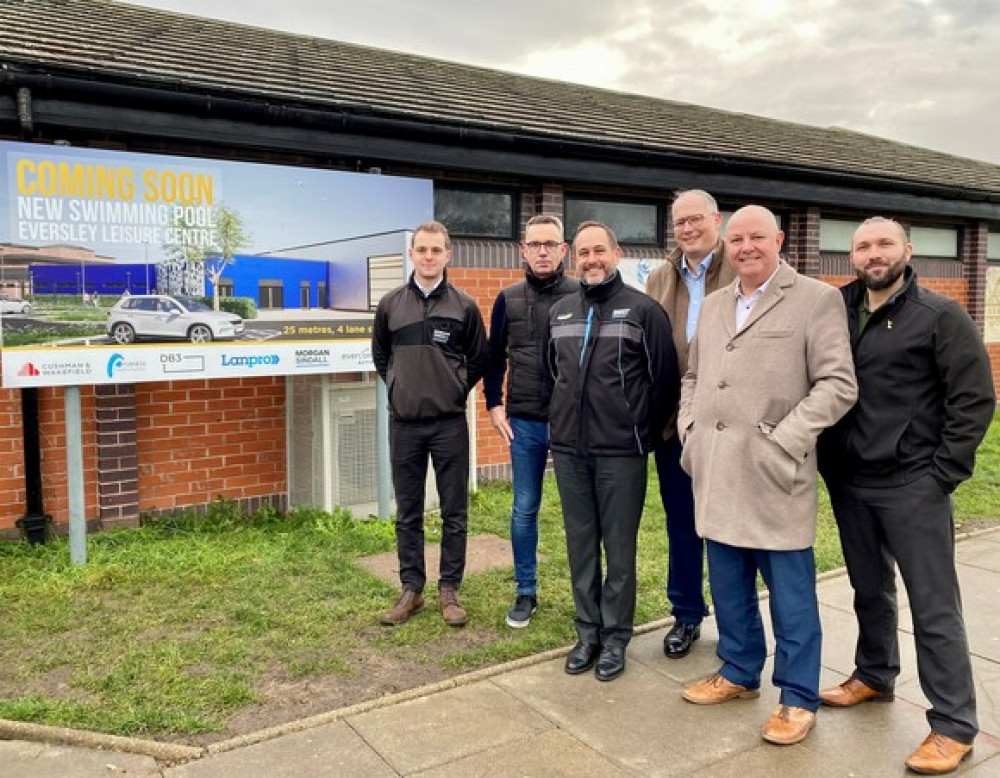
(925, 401)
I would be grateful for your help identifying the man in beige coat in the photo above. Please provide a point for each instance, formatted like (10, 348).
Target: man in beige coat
(769, 369)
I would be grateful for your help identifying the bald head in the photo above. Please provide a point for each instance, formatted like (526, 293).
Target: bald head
(753, 245)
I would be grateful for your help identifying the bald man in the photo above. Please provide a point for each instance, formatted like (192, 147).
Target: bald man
(769, 369)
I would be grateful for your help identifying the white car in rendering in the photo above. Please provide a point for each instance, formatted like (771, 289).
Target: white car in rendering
(169, 317)
(11, 305)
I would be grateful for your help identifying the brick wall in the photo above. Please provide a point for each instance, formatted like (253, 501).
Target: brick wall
(201, 440)
(52, 439)
(152, 447)
(492, 455)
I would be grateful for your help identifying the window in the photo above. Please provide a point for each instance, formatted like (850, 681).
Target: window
(476, 213)
(934, 242)
(993, 246)
(632, 222)
(836, 234)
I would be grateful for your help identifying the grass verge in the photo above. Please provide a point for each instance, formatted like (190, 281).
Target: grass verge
(174, 629)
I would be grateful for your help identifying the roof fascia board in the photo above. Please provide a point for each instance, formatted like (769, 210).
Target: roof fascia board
(71, 115)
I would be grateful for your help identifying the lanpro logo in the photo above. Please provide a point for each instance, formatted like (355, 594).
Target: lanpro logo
(250, 362)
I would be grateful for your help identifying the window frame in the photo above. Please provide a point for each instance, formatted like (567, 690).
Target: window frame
(658, 204)
(515, 208)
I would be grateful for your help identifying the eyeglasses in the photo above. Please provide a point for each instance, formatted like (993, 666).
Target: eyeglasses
(694, 221)
(535, 246)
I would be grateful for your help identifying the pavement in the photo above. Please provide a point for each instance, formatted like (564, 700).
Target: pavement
(529, 718)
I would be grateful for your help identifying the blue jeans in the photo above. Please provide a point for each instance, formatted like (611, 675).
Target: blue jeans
(529, 451)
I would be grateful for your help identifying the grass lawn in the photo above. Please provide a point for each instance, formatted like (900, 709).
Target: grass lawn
(198, 627)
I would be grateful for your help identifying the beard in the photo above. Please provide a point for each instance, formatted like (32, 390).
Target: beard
(878, 283)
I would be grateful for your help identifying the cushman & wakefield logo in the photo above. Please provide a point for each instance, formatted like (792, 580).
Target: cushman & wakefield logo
(312, 358)
(51, 369)
(251, 361)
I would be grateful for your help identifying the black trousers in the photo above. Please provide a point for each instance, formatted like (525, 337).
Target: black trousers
(912, 526)
(446, 442)
(602, 499)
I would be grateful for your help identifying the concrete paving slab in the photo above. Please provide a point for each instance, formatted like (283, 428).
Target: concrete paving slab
(980, 595)
(988, 768)
(640, 720)
(21, 759)
(484, 552)
(840, 636)
(442, 728)
(551, 754)
(836, 592)
(987, 677)
(982, 553)
(647, 650)
(329, 751)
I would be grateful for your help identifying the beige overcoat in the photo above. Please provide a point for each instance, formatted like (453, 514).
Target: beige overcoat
(754, 402)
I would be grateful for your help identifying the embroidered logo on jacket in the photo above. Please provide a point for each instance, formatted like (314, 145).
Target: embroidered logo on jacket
(620, 313)
(440, 336)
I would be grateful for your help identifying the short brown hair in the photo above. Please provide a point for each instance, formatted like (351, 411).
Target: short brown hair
(432, 226)
(607, 231)
(545, 218)
(883, 220)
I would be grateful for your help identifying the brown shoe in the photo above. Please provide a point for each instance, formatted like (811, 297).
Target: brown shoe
(938, 754)
(716, 689)
(454, 614)
(853, 692)
(409, 602)
(788, 725)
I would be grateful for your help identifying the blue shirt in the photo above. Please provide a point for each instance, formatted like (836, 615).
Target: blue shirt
(695, 283)
(745, 303)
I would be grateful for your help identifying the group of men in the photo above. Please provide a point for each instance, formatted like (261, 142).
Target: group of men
(744, 379)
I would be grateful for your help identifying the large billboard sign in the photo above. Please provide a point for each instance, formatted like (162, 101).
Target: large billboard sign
(118, 267)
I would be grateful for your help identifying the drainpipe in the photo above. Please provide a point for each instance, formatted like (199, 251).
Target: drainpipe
(24, 112)
(35, 523)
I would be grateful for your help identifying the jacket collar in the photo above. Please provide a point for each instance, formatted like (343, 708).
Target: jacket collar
(855, 291)
(598, 293)
(676, 257)
(541, 284)
(438, 290)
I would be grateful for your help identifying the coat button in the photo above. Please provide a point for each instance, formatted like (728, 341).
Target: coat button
(723, 385)
(730, 347)
(720, 426)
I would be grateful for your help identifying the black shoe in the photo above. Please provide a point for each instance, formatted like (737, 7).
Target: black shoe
(582, 658)
(520, 615)
(611, 663)
(679, 640)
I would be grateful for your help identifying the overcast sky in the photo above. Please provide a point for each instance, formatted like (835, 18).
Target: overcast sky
(922, 72)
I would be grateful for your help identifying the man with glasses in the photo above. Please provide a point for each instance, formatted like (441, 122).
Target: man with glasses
(695, 269)
(518, 331)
